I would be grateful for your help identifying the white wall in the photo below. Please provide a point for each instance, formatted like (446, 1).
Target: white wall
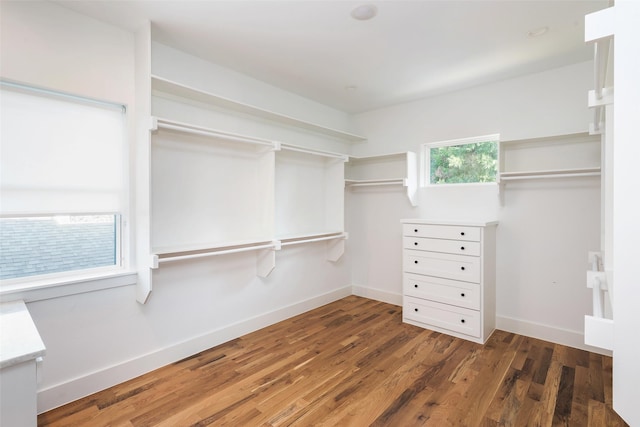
(97, 339)
(46, 45)
(174, 64)
(546, 228)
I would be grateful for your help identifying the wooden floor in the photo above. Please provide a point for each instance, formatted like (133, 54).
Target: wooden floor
(354, 363)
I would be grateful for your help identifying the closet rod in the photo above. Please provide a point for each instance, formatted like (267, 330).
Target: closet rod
(375, 183)
(314, 239)
(554, 175)
(197, 130)
(600, 63)
(214, 253)
(315, 152)
(597, 118)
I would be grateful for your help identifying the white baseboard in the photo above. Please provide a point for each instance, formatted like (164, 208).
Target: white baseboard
(63, 393)
(377, 294)
(544, 332)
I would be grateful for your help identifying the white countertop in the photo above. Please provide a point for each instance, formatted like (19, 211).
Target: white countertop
(440, 221)
(19, 338)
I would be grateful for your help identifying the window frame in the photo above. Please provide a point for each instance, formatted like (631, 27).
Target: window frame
(54, 285)
(425, 159)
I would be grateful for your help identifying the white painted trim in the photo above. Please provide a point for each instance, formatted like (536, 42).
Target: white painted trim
(47, 289)
(547, 333)
(60, 394)
(377, 294)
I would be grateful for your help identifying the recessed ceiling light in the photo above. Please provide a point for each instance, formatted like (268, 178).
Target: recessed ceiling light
(351, 88)
(364, 12)
(537, 32)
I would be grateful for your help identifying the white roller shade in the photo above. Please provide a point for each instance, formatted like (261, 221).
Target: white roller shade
(59, 154)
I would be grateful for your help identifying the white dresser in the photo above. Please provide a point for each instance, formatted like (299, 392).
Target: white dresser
(449, 277)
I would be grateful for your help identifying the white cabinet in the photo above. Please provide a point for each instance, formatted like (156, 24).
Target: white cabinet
(449, 277)
(20, 350)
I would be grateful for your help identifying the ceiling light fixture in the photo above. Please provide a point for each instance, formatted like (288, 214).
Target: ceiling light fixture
(364, 12)
(537, 32)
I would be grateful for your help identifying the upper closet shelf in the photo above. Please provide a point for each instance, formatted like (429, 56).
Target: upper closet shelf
(161, 123)
(161, 85)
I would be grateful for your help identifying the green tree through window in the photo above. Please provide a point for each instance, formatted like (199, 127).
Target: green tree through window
(463, 163)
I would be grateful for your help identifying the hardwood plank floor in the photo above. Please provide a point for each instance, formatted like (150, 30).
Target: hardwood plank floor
(354, 363)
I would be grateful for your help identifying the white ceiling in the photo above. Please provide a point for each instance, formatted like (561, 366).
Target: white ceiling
(410, 50)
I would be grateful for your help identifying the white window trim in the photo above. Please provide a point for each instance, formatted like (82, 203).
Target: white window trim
(48, 288)
(425, 158)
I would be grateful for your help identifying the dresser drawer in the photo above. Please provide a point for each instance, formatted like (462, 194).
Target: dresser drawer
(452, 232)
(442, 245)
(453, 292)
(448, 266)
(444, 316)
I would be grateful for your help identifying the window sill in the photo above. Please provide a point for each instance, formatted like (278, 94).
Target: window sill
(43, 289)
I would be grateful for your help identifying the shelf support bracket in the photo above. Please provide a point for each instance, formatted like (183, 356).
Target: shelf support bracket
(335, 248)
(266, 259)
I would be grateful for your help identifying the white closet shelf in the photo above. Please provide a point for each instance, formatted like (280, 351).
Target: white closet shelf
(291, 147)
(551, 173)
(162, 123)
(399, 168)
(386, 156)
(374, 182)
(311, 238)
(265, 259)
(208, 253)
(265, 264)
(160, 85)
(168, 251)
(166, 254)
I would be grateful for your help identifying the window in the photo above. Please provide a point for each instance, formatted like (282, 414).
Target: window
(62, 184)
(461, 161)
(32, 246)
